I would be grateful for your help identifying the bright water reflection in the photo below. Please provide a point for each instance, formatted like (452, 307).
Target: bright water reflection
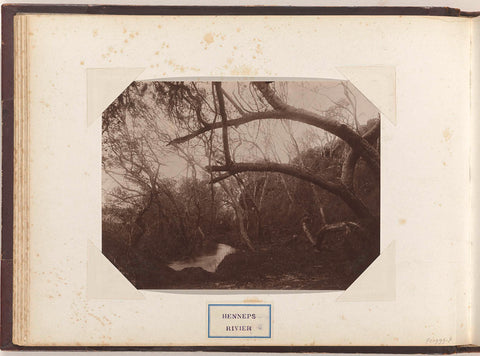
(208, 262)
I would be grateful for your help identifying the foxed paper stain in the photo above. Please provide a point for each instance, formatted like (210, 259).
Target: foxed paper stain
(110, 52)
(244, 70)
(208, 38)
(252, 300)
(447, 134)
(47, 105)
(180, 68)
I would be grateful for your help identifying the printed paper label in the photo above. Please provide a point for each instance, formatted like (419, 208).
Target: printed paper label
(239, 320)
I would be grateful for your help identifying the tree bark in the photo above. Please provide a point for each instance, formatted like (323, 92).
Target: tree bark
(223, 115)
(240, 217)
(244, 119)
(341, 130)
(338, 189)
(241, 225)
(343, 188)
(348, 167)
(307, 232)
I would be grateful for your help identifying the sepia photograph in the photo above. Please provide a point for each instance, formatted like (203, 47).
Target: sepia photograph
(262, 185)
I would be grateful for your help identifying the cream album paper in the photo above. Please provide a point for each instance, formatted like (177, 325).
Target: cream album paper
(409, 75)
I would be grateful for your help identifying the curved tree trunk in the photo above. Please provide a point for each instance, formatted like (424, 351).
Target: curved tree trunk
(240, 217)
(342, 187)
(339, 129)
(337, 188)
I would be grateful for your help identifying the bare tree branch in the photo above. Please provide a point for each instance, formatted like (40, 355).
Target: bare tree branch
(343, 131)
(235, 122)
(223, 114)
(338, 189)
(343, 225)
(233, 102)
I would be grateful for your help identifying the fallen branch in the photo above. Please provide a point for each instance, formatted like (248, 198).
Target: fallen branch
(344, 225)
(307, 232)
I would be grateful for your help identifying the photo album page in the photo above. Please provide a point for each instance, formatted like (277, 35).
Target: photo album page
(248, 180)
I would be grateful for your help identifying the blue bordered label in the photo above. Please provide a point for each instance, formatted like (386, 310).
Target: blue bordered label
(241, 321)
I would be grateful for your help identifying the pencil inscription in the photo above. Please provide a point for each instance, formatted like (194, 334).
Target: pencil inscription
(439, 340)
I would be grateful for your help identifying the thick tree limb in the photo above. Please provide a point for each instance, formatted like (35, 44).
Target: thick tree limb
(240, 216)
(344, 225)
(334, 127)
(234, 122)
(348, 167)
(339, 129)
(271, 115)
(336, 188)
(288, 169)
(219, 178)
(359, 145)
(223, 114)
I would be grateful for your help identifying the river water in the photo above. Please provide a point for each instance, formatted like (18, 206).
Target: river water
(209, 262)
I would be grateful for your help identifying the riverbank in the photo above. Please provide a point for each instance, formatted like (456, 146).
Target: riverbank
(295, 266)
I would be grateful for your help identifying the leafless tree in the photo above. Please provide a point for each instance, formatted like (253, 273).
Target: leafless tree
(273, 107)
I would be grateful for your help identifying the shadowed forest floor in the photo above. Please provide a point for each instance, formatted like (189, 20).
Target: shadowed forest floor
(293, 265)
